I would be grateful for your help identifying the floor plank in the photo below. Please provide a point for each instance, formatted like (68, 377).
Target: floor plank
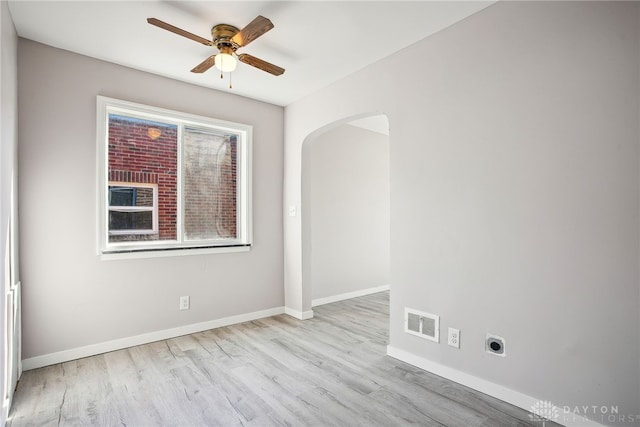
(327, 371)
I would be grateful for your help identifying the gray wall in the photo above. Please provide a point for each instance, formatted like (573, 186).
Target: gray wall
(347, 207)
(514, 194)
(70, 297)
(8, 159)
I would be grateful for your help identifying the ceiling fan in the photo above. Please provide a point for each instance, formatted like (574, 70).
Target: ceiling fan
(227, 39)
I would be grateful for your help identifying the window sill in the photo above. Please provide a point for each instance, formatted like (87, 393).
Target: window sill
(164, 253)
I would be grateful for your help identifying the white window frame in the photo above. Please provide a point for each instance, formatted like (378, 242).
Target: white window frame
(161, 248)
(153, 209)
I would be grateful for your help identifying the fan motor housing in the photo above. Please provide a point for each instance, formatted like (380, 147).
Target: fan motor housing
(222, 34)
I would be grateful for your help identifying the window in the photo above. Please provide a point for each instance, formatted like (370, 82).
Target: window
(171, 181)
(133, 210)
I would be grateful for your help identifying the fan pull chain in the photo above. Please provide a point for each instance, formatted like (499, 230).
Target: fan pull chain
(230, 85)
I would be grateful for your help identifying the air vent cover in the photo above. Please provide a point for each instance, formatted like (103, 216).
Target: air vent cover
(421, 324)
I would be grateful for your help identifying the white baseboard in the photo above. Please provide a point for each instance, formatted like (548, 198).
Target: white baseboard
(105, 347)
(348, 295)
(505, 394)
(300, 315)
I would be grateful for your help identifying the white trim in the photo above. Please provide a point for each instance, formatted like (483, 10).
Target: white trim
(12, 344)
(173, 252)
(118, 344)
(341, 297)
(505, 394)
(300, 315)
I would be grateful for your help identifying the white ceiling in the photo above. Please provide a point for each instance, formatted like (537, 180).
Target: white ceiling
(317, 42)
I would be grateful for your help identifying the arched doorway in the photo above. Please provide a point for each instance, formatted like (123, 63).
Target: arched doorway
(345, 210)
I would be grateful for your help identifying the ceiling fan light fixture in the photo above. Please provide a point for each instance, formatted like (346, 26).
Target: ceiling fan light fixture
(225, 62)
(227, 38)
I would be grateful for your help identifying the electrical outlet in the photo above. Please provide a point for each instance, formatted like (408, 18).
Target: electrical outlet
(184, 303)
(453, 338)
(495, 345)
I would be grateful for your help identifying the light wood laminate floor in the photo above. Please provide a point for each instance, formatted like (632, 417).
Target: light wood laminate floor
(327, 371)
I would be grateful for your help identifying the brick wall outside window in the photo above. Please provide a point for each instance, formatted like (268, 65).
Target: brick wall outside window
(134, 156)
(210, 174)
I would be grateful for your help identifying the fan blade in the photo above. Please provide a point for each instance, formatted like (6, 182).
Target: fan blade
(255, 29)
(204, 65)
(179, 31)
(260, 64)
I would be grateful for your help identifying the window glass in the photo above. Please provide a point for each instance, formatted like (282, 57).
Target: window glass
(172, 180)
(209, 185)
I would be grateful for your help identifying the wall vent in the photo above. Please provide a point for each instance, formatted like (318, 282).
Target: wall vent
(421, 324)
